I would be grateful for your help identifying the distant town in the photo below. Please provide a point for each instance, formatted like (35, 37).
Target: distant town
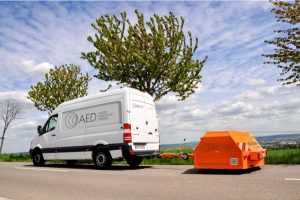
(280, 141)
(269, 142)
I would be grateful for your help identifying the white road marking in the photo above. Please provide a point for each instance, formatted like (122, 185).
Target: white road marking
(42, 169)
(292, 179)
(2, 198)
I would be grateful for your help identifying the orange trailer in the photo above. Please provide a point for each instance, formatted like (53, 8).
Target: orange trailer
(228, 150)
(225, 150)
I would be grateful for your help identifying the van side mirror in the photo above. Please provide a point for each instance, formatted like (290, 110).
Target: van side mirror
(40, 130)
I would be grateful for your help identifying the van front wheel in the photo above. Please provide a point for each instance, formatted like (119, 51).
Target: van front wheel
(102, 159)
(37, 158)
(134, 161)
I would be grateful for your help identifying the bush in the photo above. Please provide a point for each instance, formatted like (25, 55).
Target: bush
(15, 157)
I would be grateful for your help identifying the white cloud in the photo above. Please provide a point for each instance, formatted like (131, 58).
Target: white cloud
(13, 94)
(30, 67)
(249, 95)
(281, 89)
(19, 97)
(256, 82)
(232, 108)
(255, 111)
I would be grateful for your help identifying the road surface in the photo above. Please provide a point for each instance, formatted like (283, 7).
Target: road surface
(22, 181)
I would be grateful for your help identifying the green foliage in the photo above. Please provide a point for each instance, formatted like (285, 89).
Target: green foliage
(287, 47)
(15, 157)
(184, 150)
(62, 83)
(168, 161)
(283, 156)
(154, 56)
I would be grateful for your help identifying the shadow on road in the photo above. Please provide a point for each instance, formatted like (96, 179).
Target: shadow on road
(90, 166)
(222, 172)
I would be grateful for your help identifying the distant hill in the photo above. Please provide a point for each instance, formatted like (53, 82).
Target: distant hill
(263, 140)
(282, 136)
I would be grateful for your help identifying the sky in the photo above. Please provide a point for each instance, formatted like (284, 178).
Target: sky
(237, 91)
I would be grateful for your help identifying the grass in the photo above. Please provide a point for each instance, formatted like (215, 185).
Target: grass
(281, 156)
(170, 161)
(167, 161)
(15, 157)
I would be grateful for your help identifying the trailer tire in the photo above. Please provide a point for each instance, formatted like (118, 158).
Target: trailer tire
(102, 159)
(185, 156)
(37, 158)
(134, 161)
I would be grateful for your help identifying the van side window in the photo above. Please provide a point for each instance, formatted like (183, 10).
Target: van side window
(51, 124)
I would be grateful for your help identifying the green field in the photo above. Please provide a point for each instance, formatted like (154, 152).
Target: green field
(281, 156)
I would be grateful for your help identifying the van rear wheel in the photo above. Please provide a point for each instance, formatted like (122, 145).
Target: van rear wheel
(37, 158)
(102, 159)
(134, 161)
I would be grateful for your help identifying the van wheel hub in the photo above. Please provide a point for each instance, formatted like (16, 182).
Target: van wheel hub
(101, 159)
(37, 158)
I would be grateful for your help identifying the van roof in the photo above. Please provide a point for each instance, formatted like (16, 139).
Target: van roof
(95, 96)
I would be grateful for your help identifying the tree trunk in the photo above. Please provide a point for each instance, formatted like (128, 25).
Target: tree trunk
(2, 140)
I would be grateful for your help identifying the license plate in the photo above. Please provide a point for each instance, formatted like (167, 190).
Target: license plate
(139, 146)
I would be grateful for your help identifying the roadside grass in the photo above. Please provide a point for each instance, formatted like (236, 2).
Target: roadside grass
(170, 161)
(281, 156)
(15, 157)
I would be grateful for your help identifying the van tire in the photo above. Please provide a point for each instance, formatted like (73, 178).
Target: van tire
(71, 162)
(102, 159)
(37, 158)
(134, 161)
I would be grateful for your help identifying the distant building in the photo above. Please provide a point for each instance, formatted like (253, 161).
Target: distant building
(283, 142)
(292, 142)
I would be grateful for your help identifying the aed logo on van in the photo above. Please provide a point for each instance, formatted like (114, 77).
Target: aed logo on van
(72, 119)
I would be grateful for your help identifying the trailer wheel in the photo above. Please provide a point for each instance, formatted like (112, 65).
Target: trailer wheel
(185, 156)
(102, 159)
(134, 161)
(37, 158)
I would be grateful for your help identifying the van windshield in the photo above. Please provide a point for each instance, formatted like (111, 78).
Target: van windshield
(50, 124)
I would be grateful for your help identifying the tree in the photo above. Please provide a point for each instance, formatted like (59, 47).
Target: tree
(287, 47)
(9, 112)
(62, 83)
(154, 56)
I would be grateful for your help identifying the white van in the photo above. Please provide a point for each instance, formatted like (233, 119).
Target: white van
(116, 124)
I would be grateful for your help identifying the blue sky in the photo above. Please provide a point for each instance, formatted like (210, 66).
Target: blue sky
(237, 90)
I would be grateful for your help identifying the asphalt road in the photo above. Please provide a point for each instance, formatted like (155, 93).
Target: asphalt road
(22, 181)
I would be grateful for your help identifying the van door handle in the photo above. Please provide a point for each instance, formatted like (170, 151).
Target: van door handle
(53, 135)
